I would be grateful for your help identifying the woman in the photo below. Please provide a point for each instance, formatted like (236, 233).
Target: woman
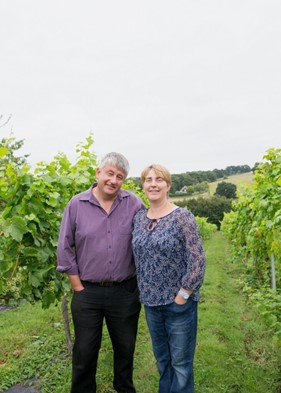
(170, 264)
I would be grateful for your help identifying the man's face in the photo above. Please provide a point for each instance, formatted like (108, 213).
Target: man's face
(109, 180)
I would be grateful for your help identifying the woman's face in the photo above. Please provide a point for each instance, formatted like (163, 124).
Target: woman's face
(155, 187)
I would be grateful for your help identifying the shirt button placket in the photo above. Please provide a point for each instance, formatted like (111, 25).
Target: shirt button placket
(109, 242)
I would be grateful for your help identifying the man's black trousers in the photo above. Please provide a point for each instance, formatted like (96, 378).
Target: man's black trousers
(119, 306)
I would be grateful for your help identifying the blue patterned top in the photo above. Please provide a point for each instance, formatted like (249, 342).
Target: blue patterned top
(167, 257)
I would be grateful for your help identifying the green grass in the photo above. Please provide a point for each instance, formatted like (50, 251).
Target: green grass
(235, 353)
(239, 180)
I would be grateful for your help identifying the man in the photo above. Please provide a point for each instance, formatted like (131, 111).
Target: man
(94, 250)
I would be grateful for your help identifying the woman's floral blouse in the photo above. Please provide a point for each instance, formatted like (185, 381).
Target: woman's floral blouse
(168, 256)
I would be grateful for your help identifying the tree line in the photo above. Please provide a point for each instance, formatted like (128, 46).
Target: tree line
(181, 180)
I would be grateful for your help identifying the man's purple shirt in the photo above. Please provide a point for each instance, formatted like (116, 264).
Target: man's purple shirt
(96, 245)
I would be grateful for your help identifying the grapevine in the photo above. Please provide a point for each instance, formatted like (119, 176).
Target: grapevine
(255, 230)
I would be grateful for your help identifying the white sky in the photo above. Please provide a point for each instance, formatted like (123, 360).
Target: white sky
(190, 84)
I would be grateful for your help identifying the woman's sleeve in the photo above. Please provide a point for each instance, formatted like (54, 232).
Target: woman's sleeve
(195, 257)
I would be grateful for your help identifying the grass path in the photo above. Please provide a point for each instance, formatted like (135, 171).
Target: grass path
(234, 353)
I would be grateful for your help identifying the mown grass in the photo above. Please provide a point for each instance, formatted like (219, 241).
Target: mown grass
(239, 180)
(234, 353)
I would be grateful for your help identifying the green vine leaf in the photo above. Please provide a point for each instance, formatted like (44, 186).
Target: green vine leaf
(3, 151)
(16, 228)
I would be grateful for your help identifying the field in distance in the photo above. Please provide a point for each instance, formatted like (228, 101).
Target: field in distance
(239, 180)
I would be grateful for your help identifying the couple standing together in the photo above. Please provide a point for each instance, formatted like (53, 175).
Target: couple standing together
(117, 255)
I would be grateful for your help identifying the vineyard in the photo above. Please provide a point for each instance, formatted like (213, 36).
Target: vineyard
(32, 204)
(254, 227)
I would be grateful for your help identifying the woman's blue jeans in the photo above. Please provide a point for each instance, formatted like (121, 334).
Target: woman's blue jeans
(173, 331)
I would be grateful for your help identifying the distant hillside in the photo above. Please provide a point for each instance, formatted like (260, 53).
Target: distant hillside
(238, 180)
(183, 180)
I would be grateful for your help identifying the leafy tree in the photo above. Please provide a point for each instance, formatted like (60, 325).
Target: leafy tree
(212, 208)
(177, 183)
(226, 189)
(232, 170)
(219, 173)
(255, 167)
(190, 190)
(201, 187)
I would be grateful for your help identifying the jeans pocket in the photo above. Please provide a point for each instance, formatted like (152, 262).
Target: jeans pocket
(178, 308)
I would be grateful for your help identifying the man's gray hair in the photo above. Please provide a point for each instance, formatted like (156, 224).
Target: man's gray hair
(117, 160)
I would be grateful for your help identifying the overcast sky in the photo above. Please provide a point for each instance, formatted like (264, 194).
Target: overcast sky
(190, 84)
